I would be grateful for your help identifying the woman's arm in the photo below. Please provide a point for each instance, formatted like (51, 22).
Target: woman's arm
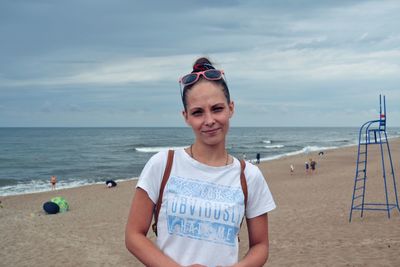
(139, 220)
(258, 242)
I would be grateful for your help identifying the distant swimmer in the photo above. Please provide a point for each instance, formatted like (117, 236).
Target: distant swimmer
(53, 181)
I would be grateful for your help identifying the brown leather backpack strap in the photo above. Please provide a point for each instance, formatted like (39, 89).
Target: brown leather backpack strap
(164, 181)
(243, 182)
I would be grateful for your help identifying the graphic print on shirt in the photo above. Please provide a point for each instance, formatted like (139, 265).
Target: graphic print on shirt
(203, 210)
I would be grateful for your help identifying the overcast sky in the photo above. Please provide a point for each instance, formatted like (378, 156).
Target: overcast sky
(117, 63)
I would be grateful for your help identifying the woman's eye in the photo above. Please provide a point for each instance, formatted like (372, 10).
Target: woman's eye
(218, 109)
(196, 113)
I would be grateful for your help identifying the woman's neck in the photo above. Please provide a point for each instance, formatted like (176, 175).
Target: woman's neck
(210, 155)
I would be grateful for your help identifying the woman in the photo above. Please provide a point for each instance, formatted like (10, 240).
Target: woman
(203, 202)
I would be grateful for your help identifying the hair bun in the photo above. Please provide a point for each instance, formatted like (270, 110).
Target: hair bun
(202, 64)
(202, 67)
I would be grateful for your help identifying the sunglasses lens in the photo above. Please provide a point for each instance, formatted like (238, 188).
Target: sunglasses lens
(188, 79)
(208, 74)
(212, 74)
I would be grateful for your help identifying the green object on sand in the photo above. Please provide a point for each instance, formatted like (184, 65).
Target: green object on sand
(61, 202)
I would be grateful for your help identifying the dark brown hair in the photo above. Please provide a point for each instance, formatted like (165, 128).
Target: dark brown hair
(197, 67)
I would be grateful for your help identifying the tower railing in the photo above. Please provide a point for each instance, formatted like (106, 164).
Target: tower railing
(373, 133)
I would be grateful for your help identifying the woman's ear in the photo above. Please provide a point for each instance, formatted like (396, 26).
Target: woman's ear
(231, 109)
(185, 116)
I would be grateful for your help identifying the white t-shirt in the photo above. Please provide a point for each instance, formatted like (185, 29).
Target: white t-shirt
(202, 207)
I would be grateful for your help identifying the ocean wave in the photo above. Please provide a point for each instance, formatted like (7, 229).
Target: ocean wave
(304, 150)
(274, 146)
(267, 141)
(6, 182)
(157, 149)
(37, 186)
(341, 141)
(309, 149)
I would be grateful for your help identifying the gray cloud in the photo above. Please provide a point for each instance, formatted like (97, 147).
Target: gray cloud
(124, 58)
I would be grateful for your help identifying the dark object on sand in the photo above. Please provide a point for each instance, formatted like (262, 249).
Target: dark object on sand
(111, 183)
(258, 158)
(51, 207)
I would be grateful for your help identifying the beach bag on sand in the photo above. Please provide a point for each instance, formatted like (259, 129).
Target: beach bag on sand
(164, 181)
(51, 207)
(61, 202)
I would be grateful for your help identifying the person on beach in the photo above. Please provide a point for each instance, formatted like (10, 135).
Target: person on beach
(291, 169)
(111, 183)
(53, 181)
(203, 202)
(307, 166)
(313, 164)
(258, 158)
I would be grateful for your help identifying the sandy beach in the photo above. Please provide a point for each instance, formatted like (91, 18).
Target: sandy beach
(310, 226)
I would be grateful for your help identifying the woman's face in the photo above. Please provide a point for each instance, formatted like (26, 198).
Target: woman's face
(208, 112)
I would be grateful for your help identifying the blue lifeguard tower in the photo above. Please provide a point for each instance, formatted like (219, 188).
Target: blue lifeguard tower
(374, 133)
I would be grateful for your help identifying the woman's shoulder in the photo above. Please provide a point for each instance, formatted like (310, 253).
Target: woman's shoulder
(251, 168)
(252, 173)
(160, 156)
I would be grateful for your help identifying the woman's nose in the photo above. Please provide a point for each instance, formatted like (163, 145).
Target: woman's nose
(209, 119)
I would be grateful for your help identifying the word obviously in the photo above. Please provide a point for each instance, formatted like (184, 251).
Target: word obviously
(205, 209)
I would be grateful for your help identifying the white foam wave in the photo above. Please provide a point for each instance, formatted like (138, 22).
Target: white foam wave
(266, 141)
(304, 150)
(309, 149)
(37, 186)
(274, 146)
(157, 149)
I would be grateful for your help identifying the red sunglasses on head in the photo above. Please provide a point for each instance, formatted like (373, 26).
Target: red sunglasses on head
(211, 75)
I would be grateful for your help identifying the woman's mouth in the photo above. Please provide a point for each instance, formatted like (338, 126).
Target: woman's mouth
(211, 131)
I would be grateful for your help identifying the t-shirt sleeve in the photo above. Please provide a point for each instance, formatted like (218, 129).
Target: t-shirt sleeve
(260, 199)
(151, 176)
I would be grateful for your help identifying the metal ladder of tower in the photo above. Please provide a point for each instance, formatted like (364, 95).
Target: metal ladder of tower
(373, 133)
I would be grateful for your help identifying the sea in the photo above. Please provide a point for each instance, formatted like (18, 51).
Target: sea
(82, 156)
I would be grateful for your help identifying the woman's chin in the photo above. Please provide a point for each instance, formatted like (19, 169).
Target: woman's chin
(213, 140)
